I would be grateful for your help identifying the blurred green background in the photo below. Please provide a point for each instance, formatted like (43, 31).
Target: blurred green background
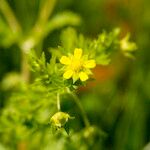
(119, 101)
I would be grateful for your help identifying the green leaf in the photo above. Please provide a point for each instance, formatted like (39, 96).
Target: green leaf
(61, 20)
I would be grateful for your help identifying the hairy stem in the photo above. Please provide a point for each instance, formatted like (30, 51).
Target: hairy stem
(25, 73)
(83, 113)
(58, 102)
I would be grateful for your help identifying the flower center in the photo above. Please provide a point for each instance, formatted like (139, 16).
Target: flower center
(76, 65)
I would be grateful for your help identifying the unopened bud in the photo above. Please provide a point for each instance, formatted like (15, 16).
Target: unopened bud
(126, 46)
(59, 119)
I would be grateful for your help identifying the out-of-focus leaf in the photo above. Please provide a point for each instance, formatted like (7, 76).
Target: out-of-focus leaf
(61, 20)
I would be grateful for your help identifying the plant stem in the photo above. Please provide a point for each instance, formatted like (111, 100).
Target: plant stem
(25, 73)
(36, 36)
(46, 11)
(9, 16)
(58, 102)
(44, 14)
(83, 113)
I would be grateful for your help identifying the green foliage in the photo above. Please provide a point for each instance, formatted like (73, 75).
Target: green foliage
(29, 108)
(101, 49)
(35, 107)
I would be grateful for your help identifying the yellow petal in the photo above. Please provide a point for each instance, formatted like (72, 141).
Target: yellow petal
(83, 76)
(68, 74)
(65, 60)
(77, 53)
(89, 64)
(75, 77)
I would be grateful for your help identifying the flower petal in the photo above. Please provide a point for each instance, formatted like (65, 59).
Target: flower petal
(65, 60)
(68, 74)
(75, 77)
(83, 76)
(89, 63)
(77, 53)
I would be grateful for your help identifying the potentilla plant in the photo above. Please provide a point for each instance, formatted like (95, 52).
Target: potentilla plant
(37, 107)
(71, 66)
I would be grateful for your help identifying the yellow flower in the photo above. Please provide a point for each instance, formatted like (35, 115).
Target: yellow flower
(77, 66)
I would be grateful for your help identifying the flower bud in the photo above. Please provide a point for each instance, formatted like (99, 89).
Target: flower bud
(126, 46)
(59, 119)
